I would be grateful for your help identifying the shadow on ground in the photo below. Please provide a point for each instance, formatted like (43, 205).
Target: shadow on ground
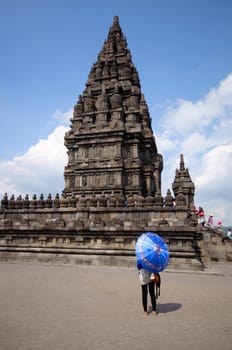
(168, 307)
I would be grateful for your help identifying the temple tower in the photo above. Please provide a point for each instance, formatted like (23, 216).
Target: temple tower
(111, 146)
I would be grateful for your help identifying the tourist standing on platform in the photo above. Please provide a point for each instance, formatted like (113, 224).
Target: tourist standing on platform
(210, 220)
(201, 216)
(219, 224)
(229, 233)
(147, 284)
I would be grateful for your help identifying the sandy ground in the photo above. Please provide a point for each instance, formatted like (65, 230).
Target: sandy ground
(76, 308)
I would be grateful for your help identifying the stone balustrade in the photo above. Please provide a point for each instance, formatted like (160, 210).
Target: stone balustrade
(104, 200)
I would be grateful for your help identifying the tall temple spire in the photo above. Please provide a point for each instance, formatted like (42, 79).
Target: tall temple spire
(111, 146)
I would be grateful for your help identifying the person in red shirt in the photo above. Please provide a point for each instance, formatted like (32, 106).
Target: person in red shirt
(201, 216)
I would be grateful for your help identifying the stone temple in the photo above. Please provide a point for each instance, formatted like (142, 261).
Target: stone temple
(112, 182)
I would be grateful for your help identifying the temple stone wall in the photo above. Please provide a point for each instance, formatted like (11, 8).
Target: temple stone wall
(94, 235)
(107, 219)
(108, 237)
(217, 245)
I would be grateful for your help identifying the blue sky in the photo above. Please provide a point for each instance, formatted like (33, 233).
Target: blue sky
(183, 53)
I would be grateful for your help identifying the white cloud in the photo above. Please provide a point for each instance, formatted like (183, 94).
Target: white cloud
(195, 143)
(165, 142)
(216, 175)
(186, 116)
(202, 130)
(214, 184)
(63, 117)
(39, 170)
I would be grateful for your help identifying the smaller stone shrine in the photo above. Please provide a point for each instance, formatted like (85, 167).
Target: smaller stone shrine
(112, 182)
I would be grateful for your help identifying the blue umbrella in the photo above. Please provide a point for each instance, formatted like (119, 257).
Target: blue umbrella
(152, 252)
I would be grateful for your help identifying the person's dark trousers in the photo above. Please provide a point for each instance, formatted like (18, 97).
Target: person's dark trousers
(151, 287)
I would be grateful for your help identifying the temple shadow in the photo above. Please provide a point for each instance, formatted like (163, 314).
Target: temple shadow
(168, 307)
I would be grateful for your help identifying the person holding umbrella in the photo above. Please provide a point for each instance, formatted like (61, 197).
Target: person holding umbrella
(152, 257)
(147, 284)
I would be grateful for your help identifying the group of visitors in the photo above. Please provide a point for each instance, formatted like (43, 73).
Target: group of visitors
(210, 222)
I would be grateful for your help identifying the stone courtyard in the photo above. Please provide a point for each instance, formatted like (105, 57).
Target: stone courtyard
(73, 307)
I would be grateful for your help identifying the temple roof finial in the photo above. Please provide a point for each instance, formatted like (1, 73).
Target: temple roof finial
(116, 19)
(116, 26)
(182, 167)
